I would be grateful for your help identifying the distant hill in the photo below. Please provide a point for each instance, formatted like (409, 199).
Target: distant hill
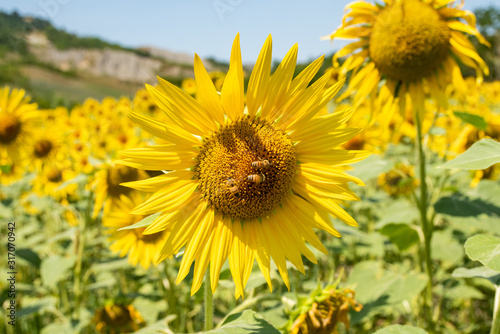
(50, 62)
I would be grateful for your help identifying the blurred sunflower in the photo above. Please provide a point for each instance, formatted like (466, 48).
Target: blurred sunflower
(10, 171)
(410, 46)
(117, 318)
(250, 178)
(51, 180)
(141, 248)
(107, 186)
(189, 86)
(17, 117)
(47, 147)
(398, 181)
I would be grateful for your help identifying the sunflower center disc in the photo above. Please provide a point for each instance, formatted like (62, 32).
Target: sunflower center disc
(118, 174)
(43, 148)
(246, 168)
(54, 174)
(409, 40)
(9, 128)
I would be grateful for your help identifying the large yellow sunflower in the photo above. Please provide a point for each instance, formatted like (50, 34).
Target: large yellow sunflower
(141, 249)
(249, 178)
(17, 118)
(411, 46)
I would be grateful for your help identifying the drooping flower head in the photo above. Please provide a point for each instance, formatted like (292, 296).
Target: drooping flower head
(411, 46)
(249, 178)
(322, 311)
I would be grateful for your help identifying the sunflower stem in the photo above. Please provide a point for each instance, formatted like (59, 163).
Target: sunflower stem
(495, 326)
(427, 227)
(209, 306)
(77, 290)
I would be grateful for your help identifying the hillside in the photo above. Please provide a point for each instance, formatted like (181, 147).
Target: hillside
(57, 67)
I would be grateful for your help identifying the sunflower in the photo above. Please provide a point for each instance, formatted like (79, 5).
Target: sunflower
(107, 188)
(117, 318)
(10, 171)
(189, 86)
(47, 147)
(322, 311)
(142, 249)
(409, 46)
(249, 177)
(54, 180)
(17, 122)
(398, 181)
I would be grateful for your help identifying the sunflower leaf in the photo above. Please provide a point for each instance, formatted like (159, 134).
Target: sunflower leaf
(481, 155)
(247, 321)
(471, 119)
(485, 249)
(400, 329)
(481, 272)
(142, 223)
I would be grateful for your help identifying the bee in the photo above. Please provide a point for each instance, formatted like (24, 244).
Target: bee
(261, 164)
(229, 182)
(256, 178)
(233, 189)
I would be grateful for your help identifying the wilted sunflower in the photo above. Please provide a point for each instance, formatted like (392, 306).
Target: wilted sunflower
(141, 248)
(407, 45)
(249, 178)
(322, 311)
(17, 118)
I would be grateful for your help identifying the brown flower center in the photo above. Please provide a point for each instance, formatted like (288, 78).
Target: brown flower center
(246, 168)
(409, 40)
(118, 174)
(43, 148)
(10, 127)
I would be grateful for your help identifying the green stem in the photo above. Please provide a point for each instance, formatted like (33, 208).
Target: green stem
(495, 326)
(427, 227)
(77, 290)
(209, 306)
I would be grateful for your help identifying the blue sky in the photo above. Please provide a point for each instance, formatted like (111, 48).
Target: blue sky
(206, 27)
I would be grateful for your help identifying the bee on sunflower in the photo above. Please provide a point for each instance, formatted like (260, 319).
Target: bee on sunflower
(220, 200)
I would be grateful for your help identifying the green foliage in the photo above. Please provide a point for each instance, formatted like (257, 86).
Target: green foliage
(485, 249)
(480, 155)
(246, 322)
(472, 119)
(399, 329)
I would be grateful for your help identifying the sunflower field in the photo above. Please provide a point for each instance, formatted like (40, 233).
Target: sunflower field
(357, 194)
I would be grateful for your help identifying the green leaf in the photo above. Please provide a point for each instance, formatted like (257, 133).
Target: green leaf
(437, 131)
(382, 291)
(485, 249)
(459, 205)
(142, 223)
(370, 167)
(30, 256)
(472, 119)
(246, 322)
(479, 272)
(398, 211)
(36, 306)
(402, 235)
(400, 329)
(446, 248)
(55, 268)
(81, 178)
(480, 155)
